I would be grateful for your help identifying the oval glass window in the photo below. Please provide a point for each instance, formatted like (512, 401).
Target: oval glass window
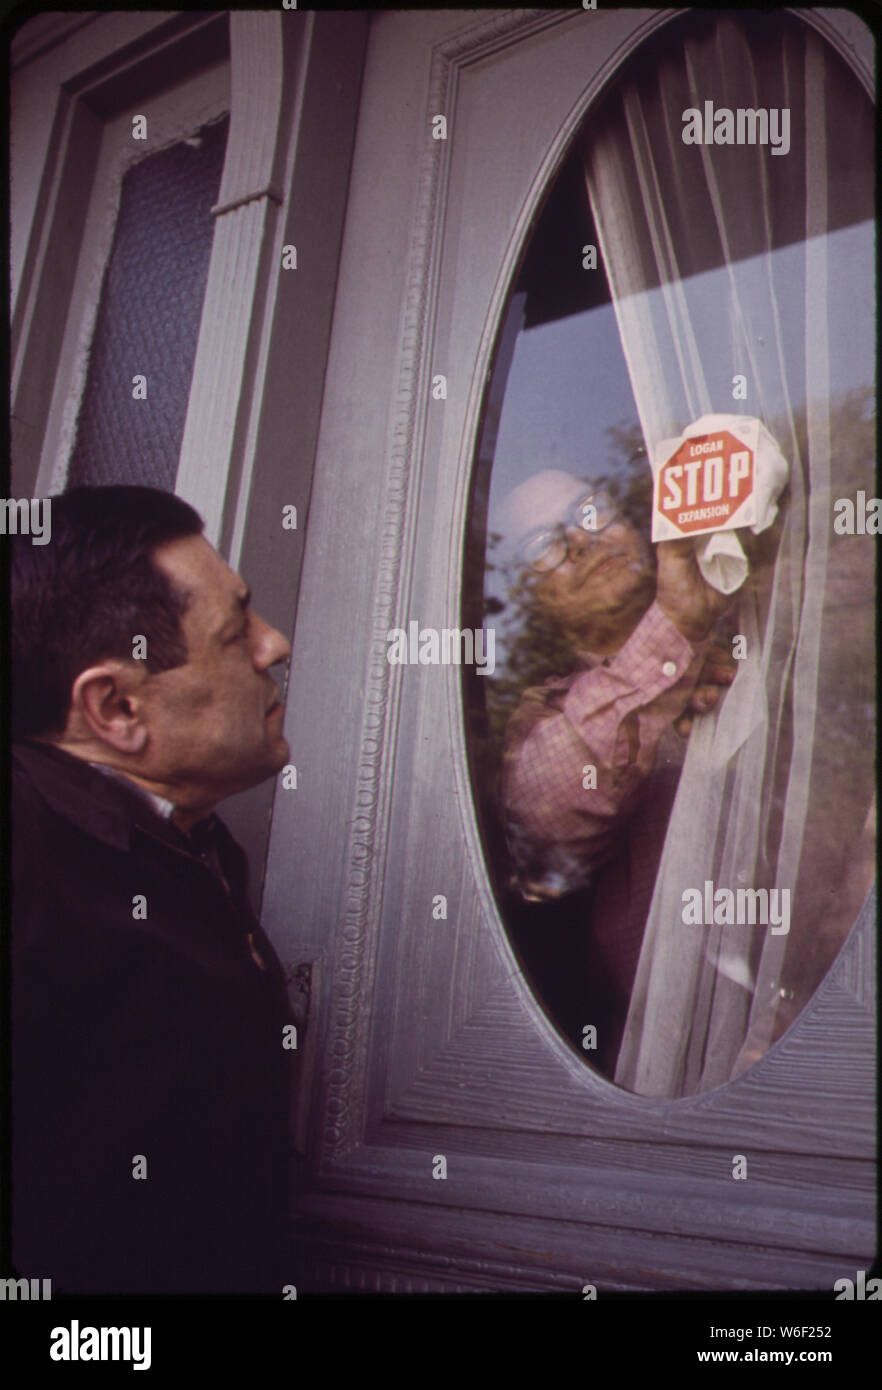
(672, 534)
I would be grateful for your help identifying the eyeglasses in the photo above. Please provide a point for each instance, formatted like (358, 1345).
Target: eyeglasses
(544, 549)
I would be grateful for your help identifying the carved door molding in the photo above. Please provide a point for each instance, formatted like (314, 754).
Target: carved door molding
(425, 1041)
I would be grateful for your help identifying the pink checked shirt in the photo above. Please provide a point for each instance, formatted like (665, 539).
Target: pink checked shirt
(611, 718)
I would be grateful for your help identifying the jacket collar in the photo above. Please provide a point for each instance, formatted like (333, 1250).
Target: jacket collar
(107, 807)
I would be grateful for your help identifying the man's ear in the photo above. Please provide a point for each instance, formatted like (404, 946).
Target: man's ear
(105, 703)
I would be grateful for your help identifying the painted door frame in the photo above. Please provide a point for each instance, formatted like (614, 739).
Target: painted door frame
(255, 397)
(424, 1040)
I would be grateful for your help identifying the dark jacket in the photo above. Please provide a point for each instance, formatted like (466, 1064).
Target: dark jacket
(157, 1037)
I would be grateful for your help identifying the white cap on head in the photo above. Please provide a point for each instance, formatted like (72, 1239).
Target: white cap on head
(541, 500)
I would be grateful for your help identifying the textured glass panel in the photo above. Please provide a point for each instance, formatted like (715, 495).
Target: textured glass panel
(148, 319)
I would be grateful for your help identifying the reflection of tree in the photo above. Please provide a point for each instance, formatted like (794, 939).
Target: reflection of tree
(534, 649)
(630, 481)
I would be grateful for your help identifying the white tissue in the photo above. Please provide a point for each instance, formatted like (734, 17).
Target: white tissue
(722, 561)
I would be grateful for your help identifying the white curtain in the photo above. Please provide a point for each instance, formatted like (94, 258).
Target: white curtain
(728, 261)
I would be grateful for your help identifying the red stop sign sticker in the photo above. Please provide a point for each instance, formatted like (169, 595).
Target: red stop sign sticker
(707, 484)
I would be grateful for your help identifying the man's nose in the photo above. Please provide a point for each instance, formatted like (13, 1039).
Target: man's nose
(271, 647)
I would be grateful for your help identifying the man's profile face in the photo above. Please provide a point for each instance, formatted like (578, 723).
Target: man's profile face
(214, 724)
(605, 575)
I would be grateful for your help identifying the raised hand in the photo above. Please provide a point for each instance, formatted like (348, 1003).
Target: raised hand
(682, 593)
(718, 672)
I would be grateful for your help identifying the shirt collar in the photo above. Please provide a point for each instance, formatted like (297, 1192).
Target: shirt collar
(163, 808)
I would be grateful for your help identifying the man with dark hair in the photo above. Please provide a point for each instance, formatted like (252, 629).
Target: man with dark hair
(150, 1067)
(82, 595)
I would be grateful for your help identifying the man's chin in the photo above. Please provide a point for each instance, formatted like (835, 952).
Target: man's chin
(269, 766)
(280, 754)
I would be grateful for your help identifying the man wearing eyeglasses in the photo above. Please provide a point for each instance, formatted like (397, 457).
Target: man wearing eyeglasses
(591, 760)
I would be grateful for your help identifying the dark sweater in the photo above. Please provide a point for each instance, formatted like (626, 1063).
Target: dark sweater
(159, 1037)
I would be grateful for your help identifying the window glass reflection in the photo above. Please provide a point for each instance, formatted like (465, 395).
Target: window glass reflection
(663, 768)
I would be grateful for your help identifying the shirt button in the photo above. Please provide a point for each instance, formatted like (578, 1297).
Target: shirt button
(669, 668)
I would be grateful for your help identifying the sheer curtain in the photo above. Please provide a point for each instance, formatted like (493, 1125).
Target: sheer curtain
(730, 261)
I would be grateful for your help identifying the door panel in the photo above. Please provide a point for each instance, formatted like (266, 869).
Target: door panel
(429, 1043)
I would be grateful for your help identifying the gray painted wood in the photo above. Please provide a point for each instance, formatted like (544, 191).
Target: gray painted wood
(429, 1039)
(281, 352)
